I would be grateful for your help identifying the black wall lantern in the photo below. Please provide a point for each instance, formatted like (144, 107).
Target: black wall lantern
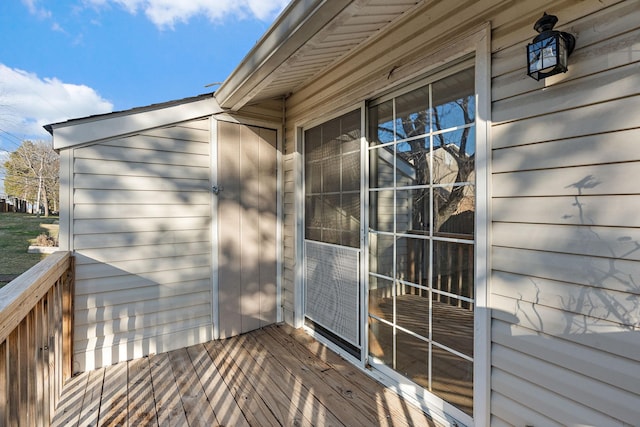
(548, 53)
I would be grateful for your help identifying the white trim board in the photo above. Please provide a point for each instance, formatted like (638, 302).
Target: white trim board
(95, 129)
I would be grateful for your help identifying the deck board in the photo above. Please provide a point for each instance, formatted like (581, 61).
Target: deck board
(114, 400)
(140, 408)
(256, 411)
(194, 399)
(271, 376)
(169, 408)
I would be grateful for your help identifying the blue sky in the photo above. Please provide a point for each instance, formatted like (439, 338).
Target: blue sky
(62, 59)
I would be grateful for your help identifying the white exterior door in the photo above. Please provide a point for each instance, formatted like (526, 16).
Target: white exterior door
(246, 223)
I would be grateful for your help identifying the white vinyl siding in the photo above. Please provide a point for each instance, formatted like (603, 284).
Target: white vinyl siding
(141, 220)
(565, 162)
(565, 296)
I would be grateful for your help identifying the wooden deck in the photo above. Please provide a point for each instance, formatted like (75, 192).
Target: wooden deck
(269, 377)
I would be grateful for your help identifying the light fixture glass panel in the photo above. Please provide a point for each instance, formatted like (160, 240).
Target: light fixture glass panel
(543, 55)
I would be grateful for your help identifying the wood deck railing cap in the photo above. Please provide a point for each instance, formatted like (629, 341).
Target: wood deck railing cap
(21, 294)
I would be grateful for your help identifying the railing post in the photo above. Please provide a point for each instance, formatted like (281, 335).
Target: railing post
(36, 321)
(67, 322)
(4, 393)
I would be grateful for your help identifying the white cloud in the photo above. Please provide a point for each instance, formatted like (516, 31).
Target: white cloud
(56, 27)
(166, 13)
(40, 12)
(27, 102)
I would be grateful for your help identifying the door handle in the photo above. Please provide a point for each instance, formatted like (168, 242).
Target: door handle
(216, 190)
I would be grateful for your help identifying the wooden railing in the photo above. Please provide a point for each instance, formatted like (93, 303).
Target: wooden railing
(35, 341)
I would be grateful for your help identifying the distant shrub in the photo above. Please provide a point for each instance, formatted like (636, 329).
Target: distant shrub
(45, 240)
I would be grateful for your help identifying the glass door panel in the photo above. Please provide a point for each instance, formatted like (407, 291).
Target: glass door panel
(421, 236)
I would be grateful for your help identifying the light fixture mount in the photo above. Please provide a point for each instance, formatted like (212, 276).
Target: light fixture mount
(549, 51)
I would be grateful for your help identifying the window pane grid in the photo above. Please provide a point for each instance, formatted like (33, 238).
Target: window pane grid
(332, 181)
(421, 228)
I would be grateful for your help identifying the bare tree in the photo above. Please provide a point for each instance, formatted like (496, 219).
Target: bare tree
(32, 173)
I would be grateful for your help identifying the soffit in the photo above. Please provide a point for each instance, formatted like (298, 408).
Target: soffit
(326, 37)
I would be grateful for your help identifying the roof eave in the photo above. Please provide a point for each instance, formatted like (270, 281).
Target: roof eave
(297, 24)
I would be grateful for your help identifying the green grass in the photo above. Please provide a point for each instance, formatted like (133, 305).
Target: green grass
(17, 232)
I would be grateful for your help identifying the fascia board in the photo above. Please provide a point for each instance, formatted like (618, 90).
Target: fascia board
(67, 135)
(295, 27)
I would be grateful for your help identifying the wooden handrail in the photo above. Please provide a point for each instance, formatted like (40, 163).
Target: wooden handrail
(36, 317)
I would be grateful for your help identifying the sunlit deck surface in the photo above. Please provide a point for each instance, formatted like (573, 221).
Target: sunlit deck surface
(269, 377)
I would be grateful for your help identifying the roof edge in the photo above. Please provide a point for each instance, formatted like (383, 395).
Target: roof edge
(81, 131)
(295, 26)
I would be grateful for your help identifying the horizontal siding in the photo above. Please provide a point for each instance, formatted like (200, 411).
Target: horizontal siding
(153, 324)
(571, 181)
(589, 301)
(155, 311)
(142, 238)
(507, 37)
(120, 268)
(565, 241)
(152, 340)
(616, 44)
(107, 153)
(159, 140)
(594, 334)
(552, 405)
(606, 368)
(180, 221)
(169, 281)
(578, 151)
(604, 210)
(91, 212)
(141, 235)
(565, 256)
(510, 413)
(123, 183)
(599, 118)
(618, 83)
(143, 253)
(597, 272)
(620, 243)
(136, 168)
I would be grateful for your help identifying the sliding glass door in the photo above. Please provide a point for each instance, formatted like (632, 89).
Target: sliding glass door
(421, 235)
